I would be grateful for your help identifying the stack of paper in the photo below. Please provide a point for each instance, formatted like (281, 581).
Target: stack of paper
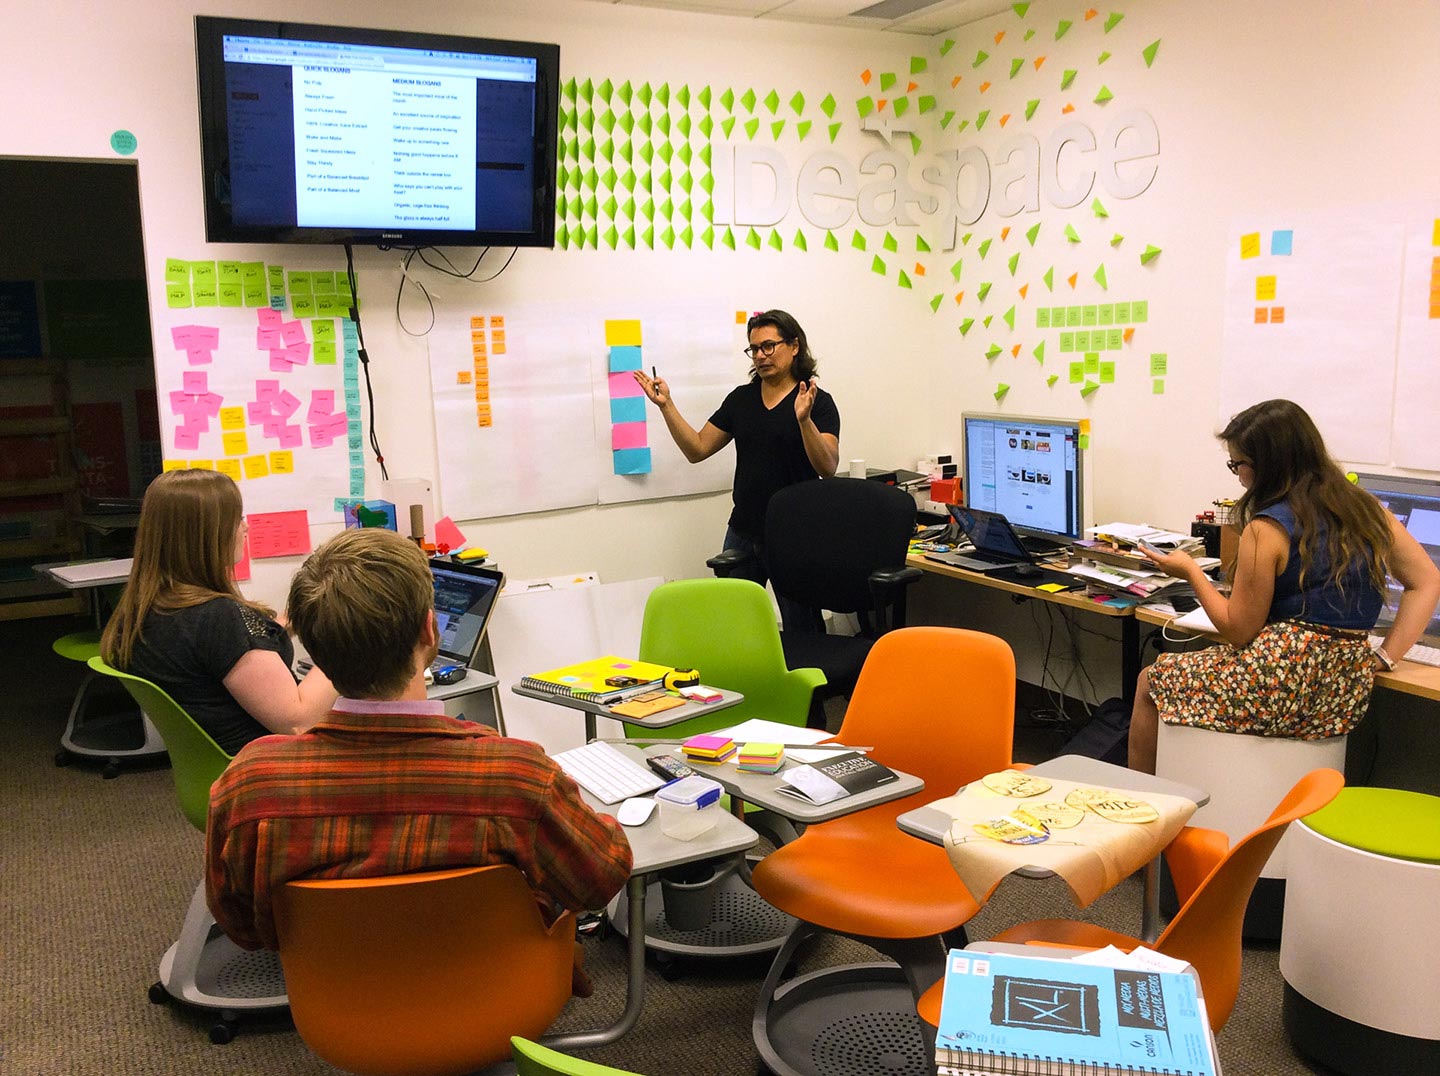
(762, 757)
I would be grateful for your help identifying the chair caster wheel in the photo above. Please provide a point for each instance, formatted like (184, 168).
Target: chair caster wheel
(157, 994)
(111, 770)
(222, 1032)
(62, 757)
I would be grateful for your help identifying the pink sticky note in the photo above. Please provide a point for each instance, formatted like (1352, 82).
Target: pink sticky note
(446, 533)
(257, 413)
(268, 318)
(627, 435)
(287, 403)
(199, 356)
(194, 383)
(279, 364)
(291, 436)
(339, 422)
(299, 354)
(205, 336)
(623, 385)
(279, 534)
(271, 428)
(187, 438)
(180, 403)
(266, 391)
(292, 332)
(242, 566)
(322, 403)
(268, 339)
(180, 336)
(321, 437)
(210, 403)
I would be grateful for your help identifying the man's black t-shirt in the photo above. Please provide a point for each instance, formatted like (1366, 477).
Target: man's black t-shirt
(769, 452)
(189, 652)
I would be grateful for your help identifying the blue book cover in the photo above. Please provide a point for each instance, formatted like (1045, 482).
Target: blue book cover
(1020, 1014)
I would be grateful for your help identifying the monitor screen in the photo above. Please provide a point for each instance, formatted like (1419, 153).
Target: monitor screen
(464, 599)
(323, 134)
(1415, 502)
(1027, 469)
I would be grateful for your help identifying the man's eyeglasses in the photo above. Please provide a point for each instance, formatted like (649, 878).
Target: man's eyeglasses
(1233, 466)
(764, 347)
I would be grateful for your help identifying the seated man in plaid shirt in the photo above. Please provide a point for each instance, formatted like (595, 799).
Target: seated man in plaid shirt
(386, 783)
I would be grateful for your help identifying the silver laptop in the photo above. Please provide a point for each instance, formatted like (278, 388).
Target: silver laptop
(995, 541)
(465, 597)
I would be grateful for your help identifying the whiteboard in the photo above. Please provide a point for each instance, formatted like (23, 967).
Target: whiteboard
(1417, 403)
(1334, 353)
(547, 444)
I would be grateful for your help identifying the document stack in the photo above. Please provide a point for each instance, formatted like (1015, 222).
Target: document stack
(1111, 562)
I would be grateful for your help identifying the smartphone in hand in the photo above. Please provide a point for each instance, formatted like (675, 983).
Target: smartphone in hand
(1151, 548)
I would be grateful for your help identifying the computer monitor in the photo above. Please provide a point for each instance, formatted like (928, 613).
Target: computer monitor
(1415, 502)
(1030, 470)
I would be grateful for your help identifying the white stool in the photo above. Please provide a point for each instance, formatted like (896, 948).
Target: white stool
(1245, 776)
(1360, 953)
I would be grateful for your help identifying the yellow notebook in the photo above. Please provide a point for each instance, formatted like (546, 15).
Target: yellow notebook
(586, 680)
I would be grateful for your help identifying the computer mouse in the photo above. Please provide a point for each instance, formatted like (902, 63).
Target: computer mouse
(635, 811)
(449, 674)
(1028, 571)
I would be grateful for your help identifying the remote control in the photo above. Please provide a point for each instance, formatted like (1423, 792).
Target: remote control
(668, 767)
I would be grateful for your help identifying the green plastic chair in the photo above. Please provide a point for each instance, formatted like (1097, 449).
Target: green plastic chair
(202, 962)
(532, 1059)
(195, 759)
(726, 629)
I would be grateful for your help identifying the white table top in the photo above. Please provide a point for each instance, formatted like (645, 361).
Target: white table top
(475, 680)
(664, 719)
(82, 575)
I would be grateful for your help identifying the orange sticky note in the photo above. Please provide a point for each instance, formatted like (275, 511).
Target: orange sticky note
(462, 377)
(866, 76)
(477, 339)
(498, 347)
(1073, 278)
(1261, 315)
(497, 322)
(1004, 233)
(919, 269)
(478, 323)
(482, 392)
(740, 318)
(1277, 315)
(1085, 425)
(1129, 334)
(1069, 108)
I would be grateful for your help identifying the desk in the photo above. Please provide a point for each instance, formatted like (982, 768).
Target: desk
(652, 852)
(931, 825)
(475, 682)
(1068, 599)
(664, 719)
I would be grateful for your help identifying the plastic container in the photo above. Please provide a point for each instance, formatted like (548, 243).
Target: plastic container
(688, 807)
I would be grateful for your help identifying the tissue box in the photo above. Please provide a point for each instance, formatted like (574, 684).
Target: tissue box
(688, 807)
(945, 490)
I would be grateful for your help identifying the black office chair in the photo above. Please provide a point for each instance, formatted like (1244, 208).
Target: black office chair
(837, 544)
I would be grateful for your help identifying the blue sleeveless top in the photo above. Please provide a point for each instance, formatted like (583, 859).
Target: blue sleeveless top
(1357, 606)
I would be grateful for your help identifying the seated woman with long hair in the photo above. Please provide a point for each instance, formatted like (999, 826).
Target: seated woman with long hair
(182, 624)
(1308, 585)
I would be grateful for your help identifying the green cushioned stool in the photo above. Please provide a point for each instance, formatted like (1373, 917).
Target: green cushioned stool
(1360, 952)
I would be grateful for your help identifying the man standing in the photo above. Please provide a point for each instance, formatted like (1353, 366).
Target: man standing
(386, 783)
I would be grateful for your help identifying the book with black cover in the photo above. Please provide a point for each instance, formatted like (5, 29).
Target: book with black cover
(843, 775)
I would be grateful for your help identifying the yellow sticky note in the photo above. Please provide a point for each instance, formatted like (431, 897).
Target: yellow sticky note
(1264, 289)
(256, 467)
(1250, 245)
(202, 465)
(232, 418)
(282, 462)
(1435, 234)
(622, 334)
(1085, 426)
(741, 319)
(173, 465)
(231, 468)
(1053, 588)
(236, 444)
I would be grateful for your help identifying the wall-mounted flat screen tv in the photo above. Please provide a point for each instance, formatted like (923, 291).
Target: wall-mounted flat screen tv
(328, 134)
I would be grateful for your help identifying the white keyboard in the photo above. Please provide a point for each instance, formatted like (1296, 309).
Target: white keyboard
(607, 773)
(1419, 653)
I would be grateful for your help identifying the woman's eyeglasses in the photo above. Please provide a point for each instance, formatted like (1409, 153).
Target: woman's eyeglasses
(1233, 466)
(764, 347)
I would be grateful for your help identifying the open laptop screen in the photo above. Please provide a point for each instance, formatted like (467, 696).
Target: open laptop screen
(989, 532)
(1415, 502)
(464, 600)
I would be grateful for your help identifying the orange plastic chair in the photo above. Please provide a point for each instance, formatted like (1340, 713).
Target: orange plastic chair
(935, 702)
(1213, 882)
(421, 974)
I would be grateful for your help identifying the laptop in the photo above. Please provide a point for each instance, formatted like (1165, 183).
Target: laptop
(995, 541)
(465, 598)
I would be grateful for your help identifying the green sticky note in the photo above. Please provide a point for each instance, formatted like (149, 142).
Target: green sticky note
(1107, 373)
(203, 273)
(1098, 208)
(965, 325)
(1071, 234)
(254, 294)
(1159, 364)
(1000, 390)
(831, 243)
(1100, 275)
(230, 294)
(890, 243)
(303, 305)
(980, 58)
(1106, 314)
(1009, 318)
(299, 282)
(1084, 441)
(1157, 387)
(1122, 313)
(177, 271)
(1031, 106)
(1067, 78)
(1052, 379)
(1104, 95)
(1049, 278)
(1089, 315)
(983, 290)
(323, 352)
(1092, 362)
(1082, 339)
(992, 351)
(877, 265)
(1014, 263)
(1077, 373)
(178, 295)
(1113, 21)
(1073, 315)
(857, 241)
(1039, 352)
(887, 79)
(903, 280)
(1150, 50)
(955, 270)
(1067, 342)
(1149, 254)
(984, 247)
(1140, 311)
(205, 294)
(1087, 390)
(1114, 340)
(1057, 317)
(1042, 317)
(1061, 27)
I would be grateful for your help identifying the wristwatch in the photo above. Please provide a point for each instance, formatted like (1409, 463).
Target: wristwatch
(1383, 658)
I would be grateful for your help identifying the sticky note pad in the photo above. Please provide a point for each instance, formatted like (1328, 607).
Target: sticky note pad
(632, 461)
(627, 409)
(622, 334)
(1282, 241)
(624, 384)
(627, 435)
(1250, 245)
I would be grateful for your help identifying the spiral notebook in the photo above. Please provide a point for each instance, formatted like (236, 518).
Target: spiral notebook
(586, 680)
(1004, 1014)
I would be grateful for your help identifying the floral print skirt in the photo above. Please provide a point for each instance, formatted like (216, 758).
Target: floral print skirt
(1298, 680)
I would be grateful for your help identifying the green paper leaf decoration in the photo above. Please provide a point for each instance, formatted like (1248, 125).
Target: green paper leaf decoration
(706, 126)
(864, 106)
(612, 236)
(965, 325)
(643, 94)
(647, 208)
(1062, 27)
(1067, 78)
(662, 94)
(921, 247)
(945, 120)
(1104, 95)
(568, 89)
(686, 180)
(609, 206)
(592, 207)
(727, 125)
(1014, 263)
(1149, 254)
(955, 270)
(647, 154)
(1009, 318)
(751, 126)
(887, 79)
(683, 126)
(707, 183)
(993, 350)
(799, 242)
(827, 106)
(890, 243)
(748, 100)
(797, 103)
(1149, 52)
(1049, 279)
(1032, 234)
(835, 130)
(1031, 106)
(926, 103)
(980, 58)
(776, 243)
(802, 129)
(985, 248)
(983, 290)
(682, 208)
(980, 119)
(587, 90)
(1071, 234)
(965, 239)
(772, 101)
(1100, 276)
(605, 90)
(607, 150)
(776, 128)
(1020, 9)
(831, 243)
(946, 45)
(1000, 390)
(648, 236)
(858, 241)
(935, 302)
(682, 98)
(1102, 58)
(1098, 208)
(624, 92)
(903, 281)
(666, 208)
(1039, 352)
(727, 100)
(705, 155)
(752, 239)
(1113, 21)
(877, 265)
(1052, 379)
(704, 99)
(1029, 34)
(902, 106)
(918, 64)
(963, 125)
(644, 123)
(708, 211)
(1015, 66)
(708, 238)
(687, 236)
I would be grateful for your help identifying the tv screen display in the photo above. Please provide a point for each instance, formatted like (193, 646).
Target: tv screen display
(326, 134)
(1027, 469)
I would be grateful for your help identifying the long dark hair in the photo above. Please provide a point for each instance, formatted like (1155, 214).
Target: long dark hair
(790, 331)
(1291, 466)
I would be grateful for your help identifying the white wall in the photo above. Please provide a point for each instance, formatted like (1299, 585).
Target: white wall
(1266, 108)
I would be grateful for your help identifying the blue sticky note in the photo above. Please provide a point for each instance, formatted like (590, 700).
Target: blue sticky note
(627, 409)
(1282, 241)
(624, 357)
(632, 461)
(277, 302)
